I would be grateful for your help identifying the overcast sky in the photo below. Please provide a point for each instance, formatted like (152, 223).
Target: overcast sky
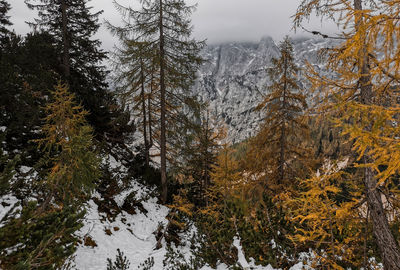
(215, 20)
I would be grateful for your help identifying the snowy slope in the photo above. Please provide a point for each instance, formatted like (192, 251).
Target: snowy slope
(132, 234)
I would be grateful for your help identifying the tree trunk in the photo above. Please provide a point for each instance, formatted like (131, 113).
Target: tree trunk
(206, 161)
(146, 142)
(163, 141)
(283, 131)
(384, 237)
(149, 111)
(65, 59)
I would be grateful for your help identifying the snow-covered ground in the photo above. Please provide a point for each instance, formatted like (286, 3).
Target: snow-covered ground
(7, 202)
(134, 236)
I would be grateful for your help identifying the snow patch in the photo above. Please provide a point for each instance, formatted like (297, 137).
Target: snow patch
(7, 203)
(132, 234)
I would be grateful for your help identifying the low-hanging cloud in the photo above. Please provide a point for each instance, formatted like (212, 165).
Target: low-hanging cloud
(215, 20)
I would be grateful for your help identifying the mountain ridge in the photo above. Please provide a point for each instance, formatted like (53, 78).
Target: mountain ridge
(234, 79)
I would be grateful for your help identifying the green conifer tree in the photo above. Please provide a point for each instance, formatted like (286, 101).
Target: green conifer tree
(196, 143)
(4, 18)
(120, 263)
(27, 68)
(72, 24)
(7, 169)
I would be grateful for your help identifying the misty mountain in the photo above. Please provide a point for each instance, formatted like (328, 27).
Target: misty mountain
(234, 79)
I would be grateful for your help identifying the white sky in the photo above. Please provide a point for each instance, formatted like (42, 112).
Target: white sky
(215, 20)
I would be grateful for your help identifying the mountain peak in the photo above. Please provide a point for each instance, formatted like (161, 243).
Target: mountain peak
(267, 39)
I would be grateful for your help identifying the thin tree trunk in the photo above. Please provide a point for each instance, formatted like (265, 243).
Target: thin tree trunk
(146, 142)
(66, 58)
(282, 155)
(365, 263)
(384, 237)
(206, 162)
(163, 141)
(149, 111)
(283, 131)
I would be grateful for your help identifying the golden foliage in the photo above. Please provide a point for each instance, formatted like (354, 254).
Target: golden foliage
(279, 153)
(371, 123)
(68, 140)
(326, 219)
(227, 176)
(362, 95)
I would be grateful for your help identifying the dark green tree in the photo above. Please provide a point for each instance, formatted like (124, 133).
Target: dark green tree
(39, 238)
(120, 263)
(28, 68)
(195, 142)
(4, 19)
(72, 24)
(166, 28)
(7, 170)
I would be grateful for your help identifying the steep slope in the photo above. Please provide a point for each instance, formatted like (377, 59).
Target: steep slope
(234, 79)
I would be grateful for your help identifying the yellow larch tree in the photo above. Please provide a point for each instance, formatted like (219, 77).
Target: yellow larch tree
(135, 78)
(68, 141)
(227, 175)
(277, 155)
(362, 98)
(325, 219)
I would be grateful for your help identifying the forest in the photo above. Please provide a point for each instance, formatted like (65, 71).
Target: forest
(113, 160)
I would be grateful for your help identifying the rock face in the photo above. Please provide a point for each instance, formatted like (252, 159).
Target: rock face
(234, 80)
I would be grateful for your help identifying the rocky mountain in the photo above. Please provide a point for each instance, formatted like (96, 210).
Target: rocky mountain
(234, 79)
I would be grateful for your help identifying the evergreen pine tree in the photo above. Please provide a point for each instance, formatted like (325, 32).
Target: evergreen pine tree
(72, 25)
(7, 170)
(4, 19)
(39, 239)
(195, 145)
(205, 148)
(27, 68)
(165, 26)
(121, 262)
